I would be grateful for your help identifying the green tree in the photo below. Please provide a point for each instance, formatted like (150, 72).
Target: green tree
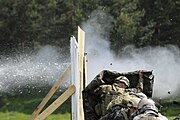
(164, 14)
(13, 24)
(126, 22)
(27, 24)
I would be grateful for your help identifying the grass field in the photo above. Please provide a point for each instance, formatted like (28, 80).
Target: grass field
(20, 108)
(22, 116)
(171, 107)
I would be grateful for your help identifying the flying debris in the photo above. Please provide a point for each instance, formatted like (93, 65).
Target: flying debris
(169, 92)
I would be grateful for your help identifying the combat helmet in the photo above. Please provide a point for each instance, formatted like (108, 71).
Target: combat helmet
(123, 79)
(147, 104)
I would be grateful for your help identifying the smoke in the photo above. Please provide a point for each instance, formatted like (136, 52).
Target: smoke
(42, 67)
(164, 61)
(97, 45)
(46, 65)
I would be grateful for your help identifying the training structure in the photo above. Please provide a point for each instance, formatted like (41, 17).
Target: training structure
(78, 76)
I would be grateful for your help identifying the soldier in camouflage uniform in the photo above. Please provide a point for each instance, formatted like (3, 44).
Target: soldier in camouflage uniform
(148, 111)
(95, 101)
(124, 107)
(110, 92)
(118, 108)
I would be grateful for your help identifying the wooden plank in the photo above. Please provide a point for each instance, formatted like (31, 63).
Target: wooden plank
(57, 103)
(64, 76)
(81, 43)
(74, 80)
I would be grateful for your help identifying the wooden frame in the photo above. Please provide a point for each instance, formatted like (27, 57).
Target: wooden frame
(50, 93)
(78, 82)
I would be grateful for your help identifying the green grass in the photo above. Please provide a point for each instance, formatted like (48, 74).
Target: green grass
(13, 116)
(22, 116)
(171, 107)
(28, 104)
(59, 117)
(21, 108)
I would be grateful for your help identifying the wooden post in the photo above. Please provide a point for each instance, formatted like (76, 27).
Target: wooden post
(81, 43)
(78, 78)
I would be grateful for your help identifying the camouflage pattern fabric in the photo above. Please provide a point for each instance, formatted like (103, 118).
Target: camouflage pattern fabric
(107, 93)
(121, 100)
(91, 99)
(132, 116)
(146, 117)
(150, 117)
(116, 113)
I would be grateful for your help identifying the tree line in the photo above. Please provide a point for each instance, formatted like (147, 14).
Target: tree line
(29, 24)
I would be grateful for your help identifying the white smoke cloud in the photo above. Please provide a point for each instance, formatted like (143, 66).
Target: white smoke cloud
(42, 67)
(164, 61)
(47, 64)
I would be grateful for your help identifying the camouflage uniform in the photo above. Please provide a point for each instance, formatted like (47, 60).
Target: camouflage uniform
(119, 108)
(148, 111)
(117, 113)
(107, 94)
(119, 101)
(91, 99)
(115, 106)
(150, 115)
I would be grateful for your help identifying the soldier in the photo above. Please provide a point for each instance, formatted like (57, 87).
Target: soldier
(110, 92)
(148, 111)
(103, 89)
(118, 89)
(122, 108)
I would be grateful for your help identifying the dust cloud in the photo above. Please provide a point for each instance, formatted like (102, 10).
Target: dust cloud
(164, 61)
(42, 67)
